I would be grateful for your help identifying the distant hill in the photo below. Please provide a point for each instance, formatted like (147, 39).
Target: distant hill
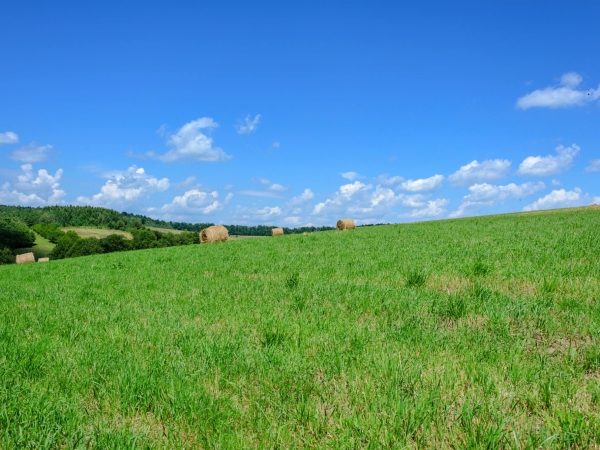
(92, 216)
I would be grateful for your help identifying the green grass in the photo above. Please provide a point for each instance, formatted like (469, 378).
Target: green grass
(41, 248)
(473, 333)
(86, 232)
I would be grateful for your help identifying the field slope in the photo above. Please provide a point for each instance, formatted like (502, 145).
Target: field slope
(472, 333)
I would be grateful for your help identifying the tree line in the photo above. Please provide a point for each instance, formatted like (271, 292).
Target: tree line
(93, 216)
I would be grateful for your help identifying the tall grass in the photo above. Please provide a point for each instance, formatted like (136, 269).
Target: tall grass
(316, 341)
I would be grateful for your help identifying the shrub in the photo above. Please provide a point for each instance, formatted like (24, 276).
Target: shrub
(14, 234)
(48, 230)
(6, 256)
(62, 249)
(115, 243)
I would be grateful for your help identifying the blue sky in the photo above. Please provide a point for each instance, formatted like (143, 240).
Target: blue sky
(300, 113)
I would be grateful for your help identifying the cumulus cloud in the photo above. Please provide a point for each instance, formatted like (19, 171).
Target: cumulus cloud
(559, 198)
(306, 195)
(191, 143)
(593, 166)
(563, 95)
(31, 153)
(374, 203)
(475, 172)
(191, 202)
(435, 208)
(351, 175)
(423, 185)
(543, 166)
(126, 188)
(248, 125)
(9, 138)
(487, 195)
(33, 189)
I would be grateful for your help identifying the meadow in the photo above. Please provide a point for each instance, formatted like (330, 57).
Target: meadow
(470, 333)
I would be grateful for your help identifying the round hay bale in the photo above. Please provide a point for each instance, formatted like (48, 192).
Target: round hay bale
(594, 206)
(277, 232)
(346, 224)
(217, 233)
(25, 258)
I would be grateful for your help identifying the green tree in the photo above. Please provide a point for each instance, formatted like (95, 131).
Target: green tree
(15, 234)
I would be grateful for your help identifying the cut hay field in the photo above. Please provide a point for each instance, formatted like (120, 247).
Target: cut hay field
(86, 232)
(471, 333)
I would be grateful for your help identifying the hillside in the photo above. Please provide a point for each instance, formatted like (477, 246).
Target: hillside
(469, 333)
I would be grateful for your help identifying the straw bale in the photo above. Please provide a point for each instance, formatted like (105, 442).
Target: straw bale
(345, 224)
(43, 259)
(217, 233)
(277, 232)
(594, 206)
(25, 258)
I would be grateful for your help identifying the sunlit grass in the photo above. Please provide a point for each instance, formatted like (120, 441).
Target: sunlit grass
(475, 333)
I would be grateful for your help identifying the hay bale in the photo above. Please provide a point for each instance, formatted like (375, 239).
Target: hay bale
(346, 224)
(217, 233)
(43, 259)
(594, 206)
(25, 258)
(277, 232)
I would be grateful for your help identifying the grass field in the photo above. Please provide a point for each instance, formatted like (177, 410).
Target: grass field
(86, 232)
(41, 248)
(472, 333)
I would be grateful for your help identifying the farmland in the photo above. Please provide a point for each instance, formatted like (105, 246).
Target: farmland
(470, 333)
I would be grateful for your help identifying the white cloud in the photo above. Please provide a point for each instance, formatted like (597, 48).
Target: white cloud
(260, 180)
(562, 96)
(593, 166)
(9, 138)
(351, 175)
(126, 188)
(189, 183)
(40, 189)
(371, 204)
(423, 185)
(556, 183)
(487, 195)
(435, 208)
(487, 192)
(558, 199)
(259, 193)
(475, 172)
(31, 153)
(248, 125)
(278, 187)
(385, 180)
(306, 195)
(190, 143)
(292, 220)
(191, 202)
(543, 166)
